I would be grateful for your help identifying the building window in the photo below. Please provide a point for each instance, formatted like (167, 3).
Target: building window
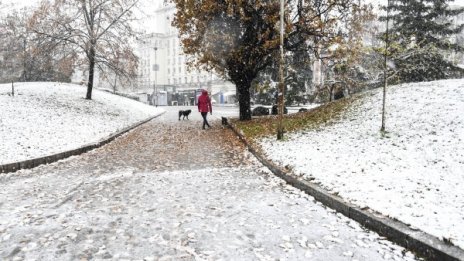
(169, 71)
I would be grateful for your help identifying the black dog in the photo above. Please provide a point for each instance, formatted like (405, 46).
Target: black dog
(224, 121)
(185, 114)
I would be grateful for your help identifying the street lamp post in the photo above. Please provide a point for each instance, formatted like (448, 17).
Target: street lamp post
(154, 85)
(385, 70)
(280, 128)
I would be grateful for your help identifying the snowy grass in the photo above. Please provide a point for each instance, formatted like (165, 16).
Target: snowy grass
(267, 125)
(47, 118)
(414, 173)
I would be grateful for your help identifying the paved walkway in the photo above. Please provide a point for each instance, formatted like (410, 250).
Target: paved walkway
(171, 191)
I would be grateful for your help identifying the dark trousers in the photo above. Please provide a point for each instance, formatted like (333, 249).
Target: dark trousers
(205, 122)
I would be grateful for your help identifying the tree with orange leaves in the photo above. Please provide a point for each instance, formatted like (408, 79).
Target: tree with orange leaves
(238, 39)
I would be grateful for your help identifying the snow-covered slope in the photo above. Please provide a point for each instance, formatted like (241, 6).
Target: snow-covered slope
(414, 174)
(46, 118)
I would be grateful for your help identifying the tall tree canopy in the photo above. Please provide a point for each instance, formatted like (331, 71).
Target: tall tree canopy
(99, 29)
(239, 39)
(420, 38)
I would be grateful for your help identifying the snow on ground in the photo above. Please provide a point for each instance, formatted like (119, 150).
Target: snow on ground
(414, 174)
(47, 118)
(238, 213)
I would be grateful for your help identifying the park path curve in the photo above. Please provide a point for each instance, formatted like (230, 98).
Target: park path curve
(171, 191)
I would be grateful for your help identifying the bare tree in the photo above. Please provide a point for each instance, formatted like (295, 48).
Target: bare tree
(120, 81)
(10, 69)
(99, 30)
(30, 56)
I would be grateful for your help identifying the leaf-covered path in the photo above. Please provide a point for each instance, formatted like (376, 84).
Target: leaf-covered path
(171, 191)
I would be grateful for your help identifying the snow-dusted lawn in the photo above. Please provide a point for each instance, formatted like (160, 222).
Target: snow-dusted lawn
(47, 118)
(415, 174)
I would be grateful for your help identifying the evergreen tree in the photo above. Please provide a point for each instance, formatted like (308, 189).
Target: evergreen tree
(298, 74)
(420, 39)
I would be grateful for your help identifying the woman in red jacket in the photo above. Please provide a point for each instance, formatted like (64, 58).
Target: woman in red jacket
(204, 106)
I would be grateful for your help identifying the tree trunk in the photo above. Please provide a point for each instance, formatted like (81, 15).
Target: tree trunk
(23, 75)
(244, 101)
(331, 88)
(115, 82)
(91, 72)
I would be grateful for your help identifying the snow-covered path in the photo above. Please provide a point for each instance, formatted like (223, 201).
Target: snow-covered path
(231, 213)
(170, 191)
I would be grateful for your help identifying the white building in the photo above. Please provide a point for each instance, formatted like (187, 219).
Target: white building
(163, 66)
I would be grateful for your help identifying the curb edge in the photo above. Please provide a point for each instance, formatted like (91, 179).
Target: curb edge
(34, 162)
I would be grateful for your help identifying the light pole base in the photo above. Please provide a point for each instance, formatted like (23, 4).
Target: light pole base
(280, 134)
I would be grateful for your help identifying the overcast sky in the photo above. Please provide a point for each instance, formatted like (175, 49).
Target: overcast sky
(384, 2)
(23, 3)
(147, 6)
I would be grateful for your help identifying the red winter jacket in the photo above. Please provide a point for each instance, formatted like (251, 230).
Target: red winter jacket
(204, 102)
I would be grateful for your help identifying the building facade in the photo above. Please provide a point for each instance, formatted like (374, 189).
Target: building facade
(163, 66)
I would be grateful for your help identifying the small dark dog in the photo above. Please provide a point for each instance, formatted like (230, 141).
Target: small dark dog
(185, 114)
(224, 121)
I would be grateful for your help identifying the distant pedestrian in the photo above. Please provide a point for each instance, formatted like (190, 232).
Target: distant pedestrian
(204, 106)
